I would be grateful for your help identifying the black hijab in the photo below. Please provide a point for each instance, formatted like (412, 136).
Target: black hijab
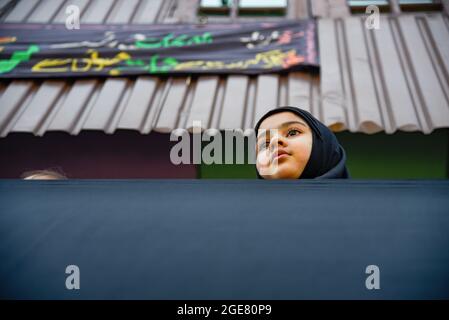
(327, 158)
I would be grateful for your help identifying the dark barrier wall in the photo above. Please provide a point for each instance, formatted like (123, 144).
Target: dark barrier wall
(186, 239)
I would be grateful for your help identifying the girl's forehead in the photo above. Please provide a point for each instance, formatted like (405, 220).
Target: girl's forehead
(276, 120)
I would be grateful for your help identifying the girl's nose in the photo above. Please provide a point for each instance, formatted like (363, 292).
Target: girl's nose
(277, 140)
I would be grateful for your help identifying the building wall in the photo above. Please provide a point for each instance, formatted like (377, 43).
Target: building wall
(92, 155)
(127, 154)
(404, 155)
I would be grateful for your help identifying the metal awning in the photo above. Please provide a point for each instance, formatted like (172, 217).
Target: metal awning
(395, 78)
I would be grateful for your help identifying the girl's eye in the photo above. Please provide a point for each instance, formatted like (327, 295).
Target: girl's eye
(263, 145)
(292, 132)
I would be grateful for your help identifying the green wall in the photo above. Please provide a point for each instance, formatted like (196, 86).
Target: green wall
(403, 155)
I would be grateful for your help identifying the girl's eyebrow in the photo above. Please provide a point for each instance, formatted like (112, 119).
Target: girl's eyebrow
(285, 124)
(289, 123)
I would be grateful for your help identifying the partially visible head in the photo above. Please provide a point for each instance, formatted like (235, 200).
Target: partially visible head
(293, 144)
(283, 146)
(43, 175)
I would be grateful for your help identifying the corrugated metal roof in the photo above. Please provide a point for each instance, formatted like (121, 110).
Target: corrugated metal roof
(395, 78)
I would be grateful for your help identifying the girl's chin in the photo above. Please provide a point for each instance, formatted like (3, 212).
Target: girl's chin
(284, 174)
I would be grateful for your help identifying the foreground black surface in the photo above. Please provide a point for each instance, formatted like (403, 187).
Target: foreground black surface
(197, 239)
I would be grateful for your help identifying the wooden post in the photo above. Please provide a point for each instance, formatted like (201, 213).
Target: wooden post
(234, 10)
(446, 6)
(327, 9)
(299, 9)
(395, 9)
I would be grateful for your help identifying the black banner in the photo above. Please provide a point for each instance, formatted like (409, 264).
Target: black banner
(30, 51)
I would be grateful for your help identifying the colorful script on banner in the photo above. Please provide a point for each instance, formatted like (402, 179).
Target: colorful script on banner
(30, 51)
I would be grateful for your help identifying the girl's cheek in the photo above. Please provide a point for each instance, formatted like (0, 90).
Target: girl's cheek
(302, 145)
(263, 158)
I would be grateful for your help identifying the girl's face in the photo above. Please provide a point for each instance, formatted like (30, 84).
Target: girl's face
(284, 150)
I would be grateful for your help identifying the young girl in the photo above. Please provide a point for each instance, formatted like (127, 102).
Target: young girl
(292, 144)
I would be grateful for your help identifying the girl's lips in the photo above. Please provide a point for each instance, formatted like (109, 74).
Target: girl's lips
(284, 155)
(280, 154)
